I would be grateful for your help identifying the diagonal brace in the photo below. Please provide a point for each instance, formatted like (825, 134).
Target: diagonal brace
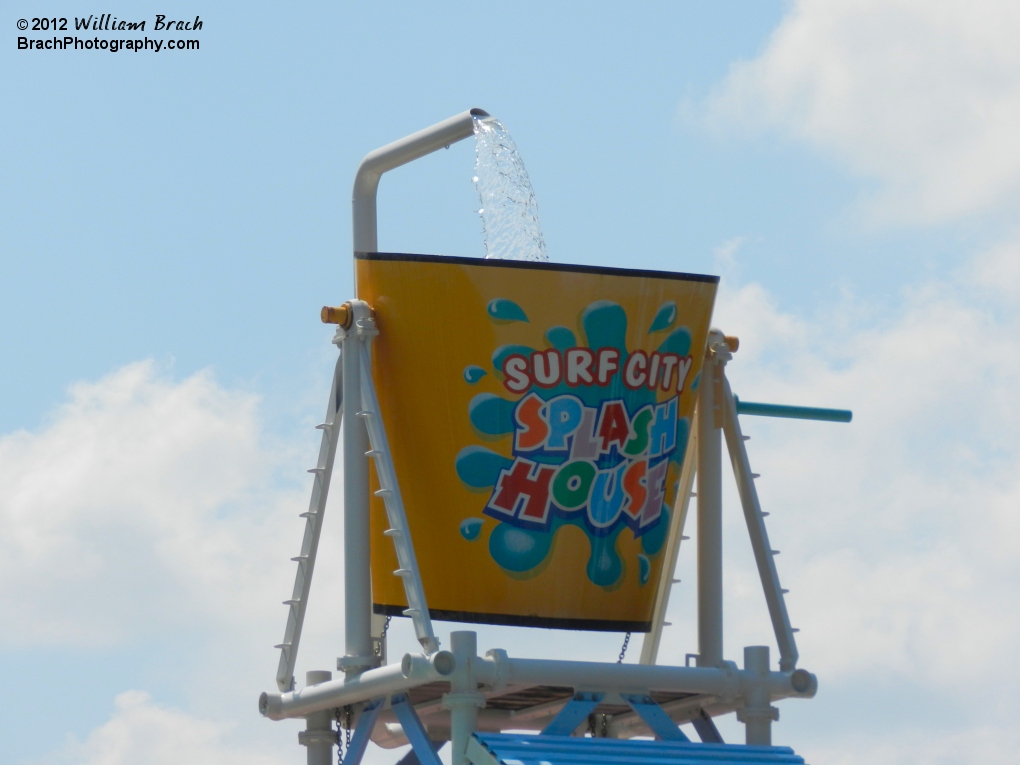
(414, 730)
(362, 732)
(573, 714)
(763, 554)
(655, 717)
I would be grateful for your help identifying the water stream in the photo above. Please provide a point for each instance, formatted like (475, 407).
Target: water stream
(508, 210)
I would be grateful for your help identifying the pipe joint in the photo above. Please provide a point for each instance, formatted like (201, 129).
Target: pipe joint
(418, 666)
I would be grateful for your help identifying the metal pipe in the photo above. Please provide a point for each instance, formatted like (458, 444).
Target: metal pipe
(407, 149)
(764, 555)
(757, 713)
(709, 481)
(358, 653)
(463, 700)
(793, 412)
(414, 670)
(313, 530)
(614, 677)
(725, 682)
(318, 735)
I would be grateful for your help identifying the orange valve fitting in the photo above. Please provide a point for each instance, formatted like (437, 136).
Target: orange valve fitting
(732, 342)
(341, 315)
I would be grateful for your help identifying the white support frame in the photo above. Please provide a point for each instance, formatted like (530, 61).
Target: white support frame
(764, 555)
(322, 471)
(717, 686)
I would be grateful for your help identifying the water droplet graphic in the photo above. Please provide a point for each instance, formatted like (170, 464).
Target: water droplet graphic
(474, 373)
(644, 569)
(505, 310)
(509, 210)
(664, 317)
(470, 528)
(604, 565)
(518, 550)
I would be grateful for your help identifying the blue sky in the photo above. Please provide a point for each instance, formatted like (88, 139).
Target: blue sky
(170, 224)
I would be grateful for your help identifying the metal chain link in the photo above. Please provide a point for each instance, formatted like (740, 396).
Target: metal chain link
(591, 725)
(623, 651)
(339, 739)
(382, 636)
(343, 722)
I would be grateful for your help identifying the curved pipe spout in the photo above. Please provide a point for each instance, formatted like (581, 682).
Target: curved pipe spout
(408, 149)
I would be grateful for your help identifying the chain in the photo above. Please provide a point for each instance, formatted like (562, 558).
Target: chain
(623, 651)
(382, 637)
(594, 726)
(343, 721)
(339, 739)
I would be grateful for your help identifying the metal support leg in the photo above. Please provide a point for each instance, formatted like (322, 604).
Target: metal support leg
(464, 700)
(652, 639)
(709, 481)
(358, 654)
(764, 555)
(323, 472)
(758, 714)
(318, 735)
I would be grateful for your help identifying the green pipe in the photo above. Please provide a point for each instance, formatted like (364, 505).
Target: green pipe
(793, 412)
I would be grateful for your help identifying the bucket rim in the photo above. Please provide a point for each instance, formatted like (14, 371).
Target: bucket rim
(535, 266)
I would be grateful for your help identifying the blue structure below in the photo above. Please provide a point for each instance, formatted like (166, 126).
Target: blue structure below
(503, 749)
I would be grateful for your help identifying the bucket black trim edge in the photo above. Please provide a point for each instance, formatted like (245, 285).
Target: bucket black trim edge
(514, 620)
(534, 266)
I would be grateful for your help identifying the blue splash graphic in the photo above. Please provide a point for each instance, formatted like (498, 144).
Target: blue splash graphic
(664, 317)
(503, 310)
(678, 341)
(522, 551)
(561, 338)
(470, 528)
(500, 354)
(605, 325)
(491, 415)
(473, 374)
(479, 467)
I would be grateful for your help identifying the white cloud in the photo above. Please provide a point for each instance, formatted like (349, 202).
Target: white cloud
(154, 516)
(923, 97)
(985, 744)
(145, 503)
(141, 731)
(899, 531)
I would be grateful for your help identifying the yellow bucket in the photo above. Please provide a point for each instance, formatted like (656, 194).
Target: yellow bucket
(538, 415)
